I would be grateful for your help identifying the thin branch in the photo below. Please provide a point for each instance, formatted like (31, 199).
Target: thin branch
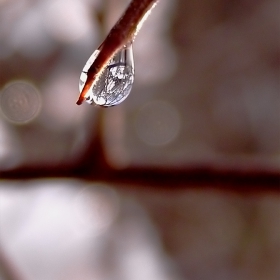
(123, 32)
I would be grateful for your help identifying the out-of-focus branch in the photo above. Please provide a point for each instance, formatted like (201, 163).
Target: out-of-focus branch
(241, 182)
(123, 32)
(93, 167)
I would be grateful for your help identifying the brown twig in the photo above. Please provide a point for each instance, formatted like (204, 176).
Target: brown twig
(123, 32)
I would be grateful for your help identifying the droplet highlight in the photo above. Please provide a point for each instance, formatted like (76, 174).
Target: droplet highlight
(115, 83)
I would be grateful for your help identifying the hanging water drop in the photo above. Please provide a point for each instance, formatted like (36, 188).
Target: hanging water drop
(114, 83)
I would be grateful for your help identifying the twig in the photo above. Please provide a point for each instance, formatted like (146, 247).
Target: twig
(122, 33)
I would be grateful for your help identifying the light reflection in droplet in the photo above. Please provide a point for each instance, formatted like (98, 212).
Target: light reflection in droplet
(20, 102)
(96, 207)
(115, 83)
(157, 123)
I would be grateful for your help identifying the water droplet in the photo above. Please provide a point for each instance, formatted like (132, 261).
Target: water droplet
(115, 83)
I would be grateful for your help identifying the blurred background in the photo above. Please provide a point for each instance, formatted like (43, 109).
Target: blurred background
(122, 193)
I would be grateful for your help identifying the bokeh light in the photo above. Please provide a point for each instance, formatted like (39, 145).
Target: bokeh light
(20, 102)
(157, 123)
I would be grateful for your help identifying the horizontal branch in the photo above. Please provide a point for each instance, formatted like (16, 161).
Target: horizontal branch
(203, 177)
(92, 166)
